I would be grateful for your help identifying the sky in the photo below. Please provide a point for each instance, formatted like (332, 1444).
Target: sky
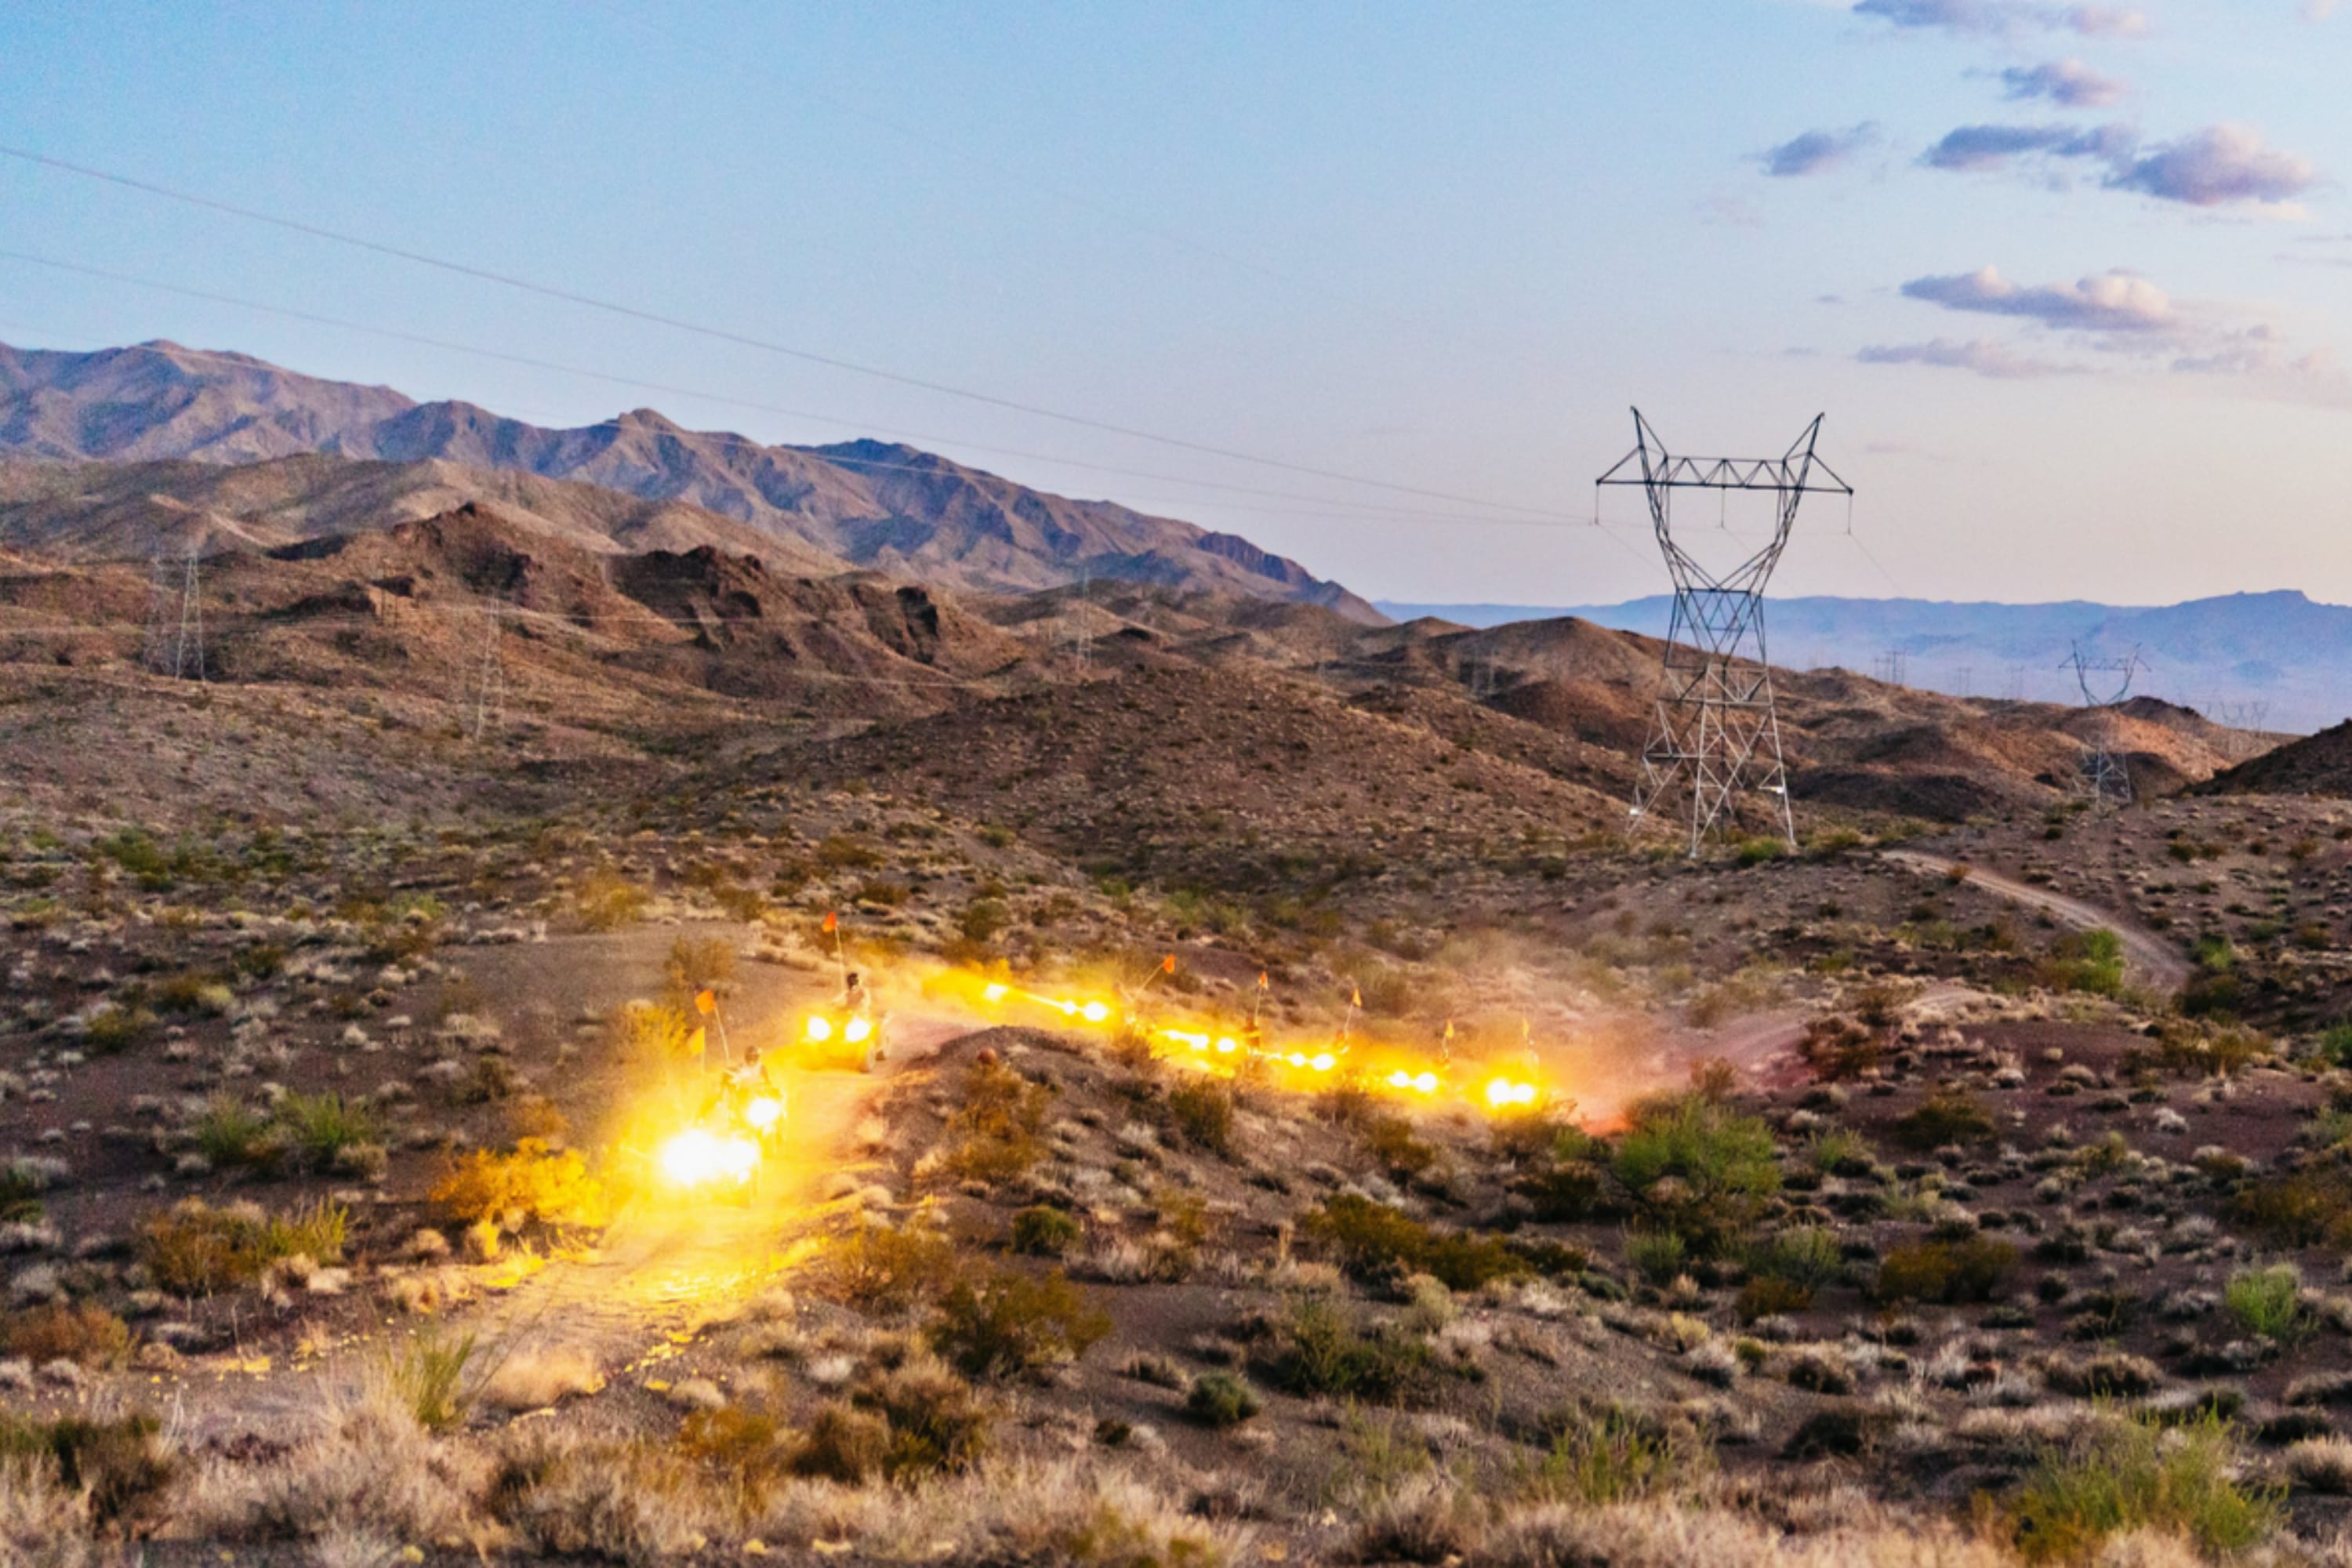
(1372, 284)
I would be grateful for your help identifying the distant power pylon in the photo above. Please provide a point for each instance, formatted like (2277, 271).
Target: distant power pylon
(2105, 683)
(489, 683)
(1717, 732)
(1082, 630)
(1965, 678)
(176, 620)
(2016, 683)
(1892, 666)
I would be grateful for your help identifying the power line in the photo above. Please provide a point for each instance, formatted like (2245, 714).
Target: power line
(721, 334)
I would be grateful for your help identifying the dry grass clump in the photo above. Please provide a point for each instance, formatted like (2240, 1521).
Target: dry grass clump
(1370, 1240)
(44, 1524)
(118, 1464)
(2125, 1476)
(533, 1379)
(882, 1269)
(193, 1247)
(568, 1496)
(83, 1333)
(1662, 1535)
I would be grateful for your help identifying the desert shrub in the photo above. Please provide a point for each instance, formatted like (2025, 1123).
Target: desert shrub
(1316, 1351)
(1388, 1138)
(83, 1333)
(193, 1247)
(1221, 1399)
(428, 1377)
(935, 1421)
(1766, 1295)
(994, 1133)
(120, 1461)
(653, 1032)
(319, 1128)
(1840, 1152)
(1835, 1046)
(533, 1182)
(2089, 961)
(843, 1443)
(1950, 1271)
(1805, 1256)
(2267, 1301)
(607, 901)
(1698, 1166)
(1565, 1192)
(230, 1134)
(880, 1270)
(2126, 1476)
(1656, 1255)
(2301, 1208)
(694, 965)
(746, 1450)
(1203, 1110)
(116, 1028)
(1044, 1231)
(622, 1501)
(847, 852)
(1947, 1116)
(1011, 1322)
(1371, 1239)
(1609, 1455)
(982, 918)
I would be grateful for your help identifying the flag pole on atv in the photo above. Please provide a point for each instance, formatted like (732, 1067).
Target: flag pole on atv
(840, 958)
(705, 1002)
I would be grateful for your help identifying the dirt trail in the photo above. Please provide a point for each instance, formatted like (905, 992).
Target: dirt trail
(2159, 964)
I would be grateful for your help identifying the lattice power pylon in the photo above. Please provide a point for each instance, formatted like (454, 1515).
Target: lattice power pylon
(1716, 732)
(2108, 770)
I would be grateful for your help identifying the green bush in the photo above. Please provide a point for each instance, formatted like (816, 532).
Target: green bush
(319, 1126)
(1805, 1256)
(993, 1136)
(2089, 961)
(116, 1028)
(231, 1134)
(1948, 1116)
(428, 1376)
(1371, 1239)
(1609, 1456)
(843, 1443)
(1766, 1295)
(1046, 1232)
(1203, 1110)
(550, 1186)
(1388, 1138)
(2268, 1302)
(1567, 1191)
(1657, 1256)
(1698, 1167)
(1221, 1399)
(1949, 1271)
(2127, 1476)
(1010, 1322)
(1316, 1351)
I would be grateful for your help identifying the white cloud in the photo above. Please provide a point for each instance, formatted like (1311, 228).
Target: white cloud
(1818, 151)
(1982, 18)
(2217, 166)
(2112, 301)
(2068, 82)
(1978, 355)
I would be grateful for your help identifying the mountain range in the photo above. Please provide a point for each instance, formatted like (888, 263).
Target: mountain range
(870, 504)
(2276, 661)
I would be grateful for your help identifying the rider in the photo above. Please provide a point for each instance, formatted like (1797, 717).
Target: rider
(854, 999)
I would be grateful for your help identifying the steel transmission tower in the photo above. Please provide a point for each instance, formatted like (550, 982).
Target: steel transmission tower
(2110, 773)
(1716, 732)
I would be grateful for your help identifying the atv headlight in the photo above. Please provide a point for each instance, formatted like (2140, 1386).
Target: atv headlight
(818, 1028)
(764, 1111)
(857, 1031)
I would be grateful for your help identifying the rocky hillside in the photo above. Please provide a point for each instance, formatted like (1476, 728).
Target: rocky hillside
(890, 507)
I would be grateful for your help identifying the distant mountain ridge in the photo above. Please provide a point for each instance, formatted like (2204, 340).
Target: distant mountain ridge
(878, 505)
(2277, 660)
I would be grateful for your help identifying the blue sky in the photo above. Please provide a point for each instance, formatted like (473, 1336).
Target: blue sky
(2097, 350)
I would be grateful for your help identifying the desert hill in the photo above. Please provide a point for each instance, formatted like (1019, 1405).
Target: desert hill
(878, 505)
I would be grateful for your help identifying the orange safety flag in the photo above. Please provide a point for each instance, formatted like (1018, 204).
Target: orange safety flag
(694, 1044)
(1449, 1028)
(705, 1002)
(1168, 964)
(1356, 997)
(831, 920)
(1261, 980)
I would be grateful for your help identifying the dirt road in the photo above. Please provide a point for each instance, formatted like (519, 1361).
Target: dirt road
(2159, 965)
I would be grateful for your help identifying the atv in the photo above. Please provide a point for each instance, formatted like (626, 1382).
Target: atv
(847, 1039)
